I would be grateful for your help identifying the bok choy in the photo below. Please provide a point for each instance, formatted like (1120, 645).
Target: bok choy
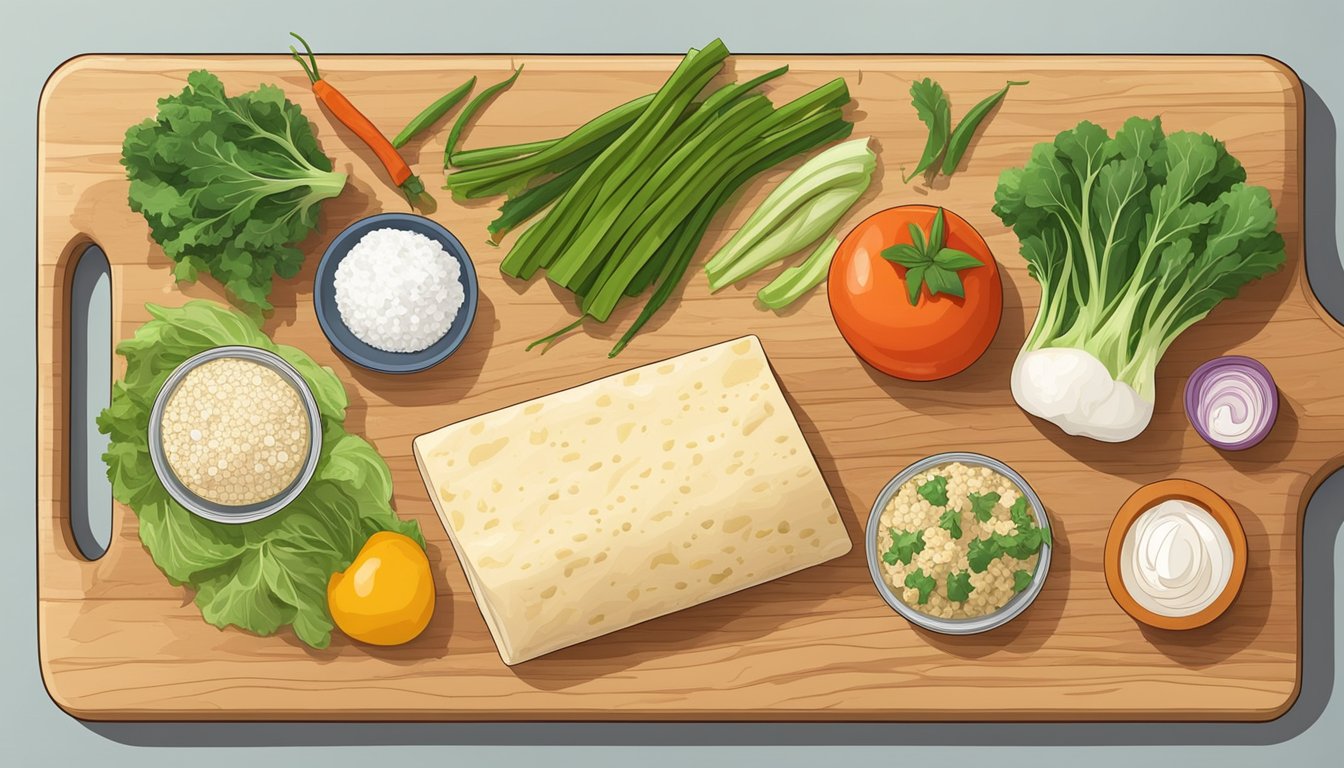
(1133, 238)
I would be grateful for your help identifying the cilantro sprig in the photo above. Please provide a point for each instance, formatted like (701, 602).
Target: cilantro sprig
(921, 581)
(1021, 545)
(982, 505)
(950, 521)
(959, 586)
(934, 491)
(904, 546)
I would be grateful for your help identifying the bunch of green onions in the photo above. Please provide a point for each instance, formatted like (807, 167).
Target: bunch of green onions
(628, 197)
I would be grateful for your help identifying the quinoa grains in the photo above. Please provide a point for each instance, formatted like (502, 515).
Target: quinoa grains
(235, 432)
(958, 541)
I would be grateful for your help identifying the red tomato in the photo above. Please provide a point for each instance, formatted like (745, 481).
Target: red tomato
(938, 336)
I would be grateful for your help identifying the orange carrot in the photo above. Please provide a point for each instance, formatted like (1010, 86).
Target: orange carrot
(349, 115)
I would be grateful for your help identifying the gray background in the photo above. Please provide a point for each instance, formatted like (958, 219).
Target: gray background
(38, 38)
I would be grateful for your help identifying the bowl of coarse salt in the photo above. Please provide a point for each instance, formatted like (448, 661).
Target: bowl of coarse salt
(395, 293)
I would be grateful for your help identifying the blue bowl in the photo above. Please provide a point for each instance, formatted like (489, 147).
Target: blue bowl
(345, 341)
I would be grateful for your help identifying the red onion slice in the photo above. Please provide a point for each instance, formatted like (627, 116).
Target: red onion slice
(1232, 402)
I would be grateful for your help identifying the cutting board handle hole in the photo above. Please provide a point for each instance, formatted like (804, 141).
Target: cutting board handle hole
(90, 371)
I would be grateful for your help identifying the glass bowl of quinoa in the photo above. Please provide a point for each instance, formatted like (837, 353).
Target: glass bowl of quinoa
(958, 543)
(234, 434)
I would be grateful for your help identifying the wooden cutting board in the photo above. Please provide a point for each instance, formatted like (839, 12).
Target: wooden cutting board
(117, 641)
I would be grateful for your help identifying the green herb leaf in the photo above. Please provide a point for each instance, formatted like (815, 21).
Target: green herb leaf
(1021, 580)
(982, 505)
(922, 582)
(981, 552)
(931, 105)
(1020, 516)
(272, 572)
(960, 139)
(950, 521)
(959, 586)
(934, 491)
(904, 546)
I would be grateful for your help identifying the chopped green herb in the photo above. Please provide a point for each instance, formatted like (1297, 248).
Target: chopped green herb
(1019, 514)
(982, 505)
(921, 581)
(981, 553)
(904, 546)
(959, 586)
(1021, 580)
(951, 522)
(1025, 522)
(934, 491)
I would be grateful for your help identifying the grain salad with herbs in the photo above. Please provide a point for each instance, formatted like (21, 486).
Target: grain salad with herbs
(957, 541)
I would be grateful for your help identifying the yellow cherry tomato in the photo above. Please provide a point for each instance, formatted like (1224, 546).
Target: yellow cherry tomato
(386, 596)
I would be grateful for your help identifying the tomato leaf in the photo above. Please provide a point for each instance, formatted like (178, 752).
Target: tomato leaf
(906, 255)
(941, 280)
(929, 262)
(914, 282)
(954, 260)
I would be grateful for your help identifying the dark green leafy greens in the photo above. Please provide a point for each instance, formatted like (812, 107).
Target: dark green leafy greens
(934, 491)
(904, 546)
(273, 572)
(959, 586)
(922, 582)
(982, 505)
(229, 184)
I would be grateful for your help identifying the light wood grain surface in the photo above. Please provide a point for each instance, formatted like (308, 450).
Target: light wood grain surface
(118, 641)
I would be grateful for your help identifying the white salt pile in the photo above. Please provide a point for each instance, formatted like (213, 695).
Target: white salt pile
(398, 291)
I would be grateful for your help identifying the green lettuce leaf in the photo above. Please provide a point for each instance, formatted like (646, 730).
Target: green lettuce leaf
(271, 573)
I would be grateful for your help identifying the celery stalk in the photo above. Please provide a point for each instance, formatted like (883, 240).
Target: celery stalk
(798, 280)
(801, 209)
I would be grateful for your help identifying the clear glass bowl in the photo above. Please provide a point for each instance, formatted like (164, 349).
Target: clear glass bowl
(1013, 607)
(221, 513)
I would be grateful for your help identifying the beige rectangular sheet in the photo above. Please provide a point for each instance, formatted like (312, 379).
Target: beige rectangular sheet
(630, 497)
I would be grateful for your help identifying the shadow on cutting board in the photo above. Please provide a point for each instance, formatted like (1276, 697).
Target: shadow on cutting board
(1323, 522)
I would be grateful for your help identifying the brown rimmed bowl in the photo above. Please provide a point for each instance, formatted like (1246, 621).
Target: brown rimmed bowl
(1148, 497)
